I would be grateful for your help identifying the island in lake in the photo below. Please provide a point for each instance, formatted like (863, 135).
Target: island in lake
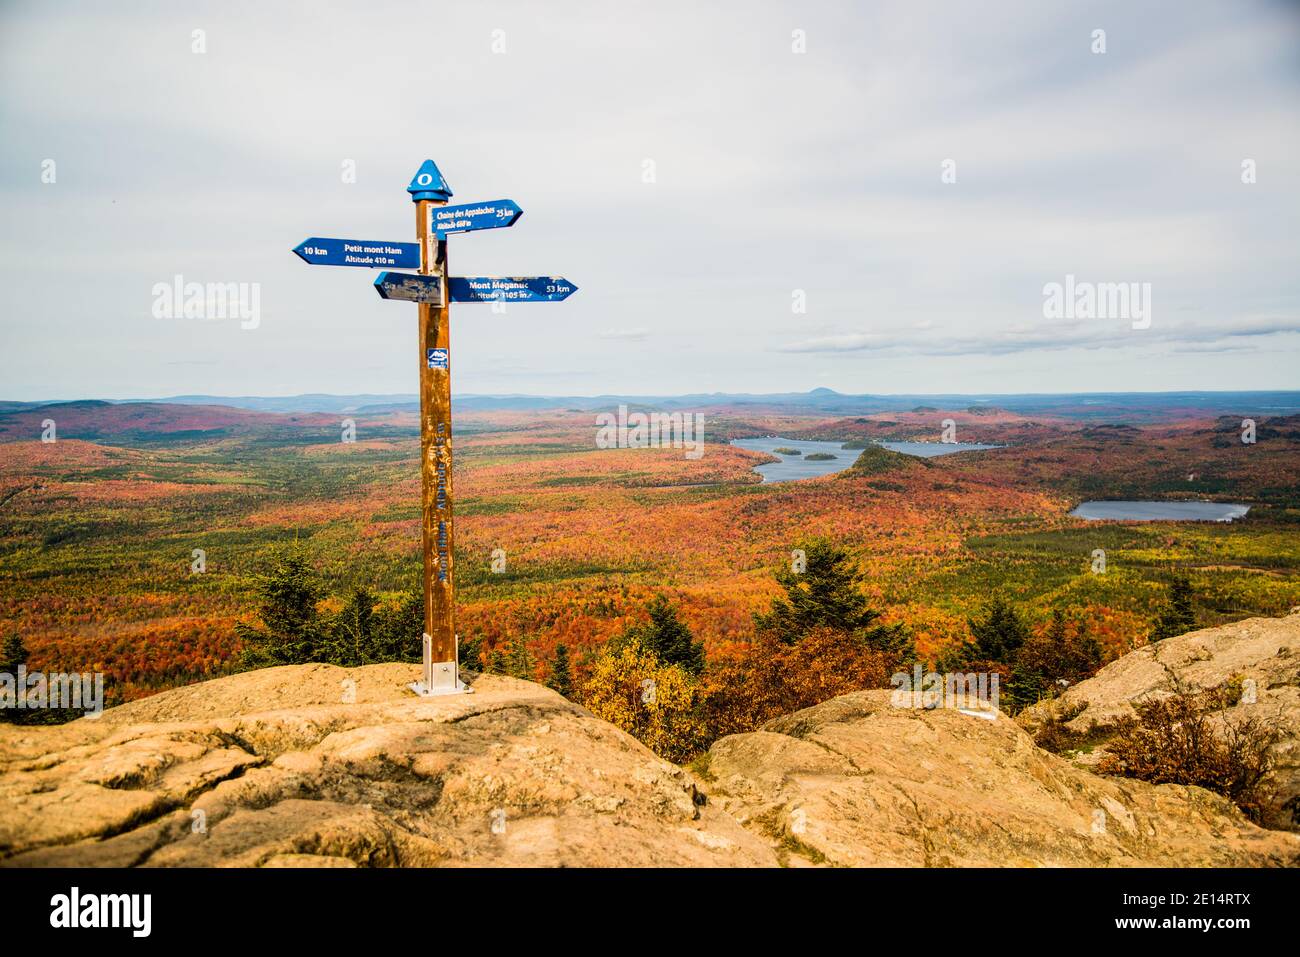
(808, 458)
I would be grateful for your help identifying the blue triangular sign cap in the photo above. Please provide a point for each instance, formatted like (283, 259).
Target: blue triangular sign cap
(427, 183)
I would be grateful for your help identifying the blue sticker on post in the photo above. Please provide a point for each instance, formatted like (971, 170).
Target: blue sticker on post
(437, 358)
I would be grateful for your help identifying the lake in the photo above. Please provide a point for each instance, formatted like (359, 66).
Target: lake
(1160, 511)
(791, 468)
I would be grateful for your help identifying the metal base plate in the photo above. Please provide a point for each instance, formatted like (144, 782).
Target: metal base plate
(440, 677)
(424, 691)
(419, 688)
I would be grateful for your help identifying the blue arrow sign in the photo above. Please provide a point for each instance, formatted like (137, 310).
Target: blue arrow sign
(408, 288)
(509, 289)
(463, 219)
(375, 254)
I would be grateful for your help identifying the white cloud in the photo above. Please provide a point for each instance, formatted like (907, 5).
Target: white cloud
(1053, 335)
(775, 171)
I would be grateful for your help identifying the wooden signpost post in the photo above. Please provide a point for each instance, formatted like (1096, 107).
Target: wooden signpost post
(434, 291)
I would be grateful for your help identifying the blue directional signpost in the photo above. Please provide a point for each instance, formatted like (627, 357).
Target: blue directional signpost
(464, 219)
(359, 252)
(400, 285)
(510, 289)
(433, 290)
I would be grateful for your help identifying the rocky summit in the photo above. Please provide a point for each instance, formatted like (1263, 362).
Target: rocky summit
(315, 765)
(856, 781)
(1258, 657)
(319, 765)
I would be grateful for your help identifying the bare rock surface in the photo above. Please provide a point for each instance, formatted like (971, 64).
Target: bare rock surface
(320, 766)
(315, 765)
(856, 781)
(1262, 655)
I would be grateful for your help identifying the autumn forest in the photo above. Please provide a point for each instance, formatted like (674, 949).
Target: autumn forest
(154, 543)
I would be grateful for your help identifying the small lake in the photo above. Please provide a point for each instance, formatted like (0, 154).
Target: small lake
(791, 468)
(1159, 511)
(794, 467)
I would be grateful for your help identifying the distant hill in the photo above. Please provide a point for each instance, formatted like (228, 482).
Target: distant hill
(1135, 407)
(309, 402)
(140, 421)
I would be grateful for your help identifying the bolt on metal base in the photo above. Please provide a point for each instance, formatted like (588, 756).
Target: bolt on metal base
(440, 677)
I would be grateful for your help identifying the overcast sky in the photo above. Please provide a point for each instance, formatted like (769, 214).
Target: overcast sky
(774, 172)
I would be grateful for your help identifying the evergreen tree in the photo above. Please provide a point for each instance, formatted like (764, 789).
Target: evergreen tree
(826, 594)
(1177, 615)
(666, 637)
(561, 679)
(1000, 633)
(1039, 662)
(519, 661)
(291, 632)
(352, 636)
(1083, 654)
(12, 654)
(398, 630)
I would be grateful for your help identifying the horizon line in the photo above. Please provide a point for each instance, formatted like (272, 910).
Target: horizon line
(414, 396)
